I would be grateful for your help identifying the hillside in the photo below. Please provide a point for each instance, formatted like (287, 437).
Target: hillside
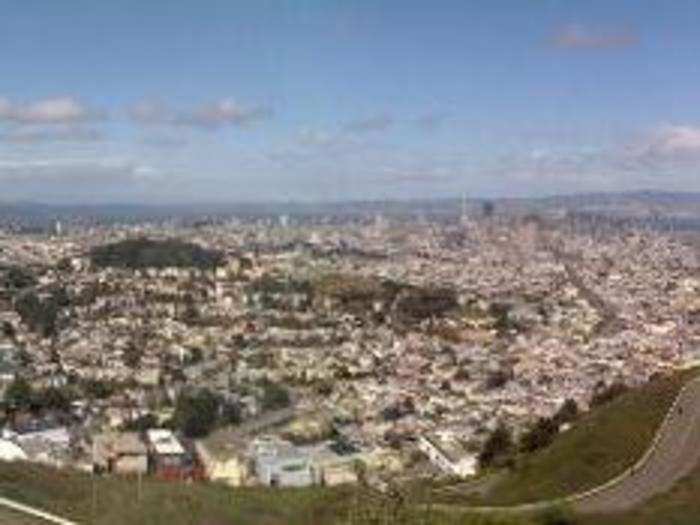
(149, 253)
(601, 445)
(69, 494)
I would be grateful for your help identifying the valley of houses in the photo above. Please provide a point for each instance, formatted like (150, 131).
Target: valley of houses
(540, 315)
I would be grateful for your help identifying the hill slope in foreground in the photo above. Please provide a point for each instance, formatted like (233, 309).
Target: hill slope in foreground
(600, 446)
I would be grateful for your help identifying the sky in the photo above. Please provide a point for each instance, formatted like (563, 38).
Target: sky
(323, 100)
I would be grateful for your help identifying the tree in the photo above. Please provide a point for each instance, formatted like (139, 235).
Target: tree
(540, 435)
(604, 394)
(568, 413)
(498, 447)
(19, 394)
(196, 355)
(141, 423)
(24, 358)
(498, 378)
(17, 278)
(54, 399)
(230, 413)
(196, 414)
(38, 315)
(97, 389)
(274, 396)
(8, 329)
(132, 355)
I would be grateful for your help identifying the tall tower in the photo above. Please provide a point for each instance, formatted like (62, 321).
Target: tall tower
(463, 218)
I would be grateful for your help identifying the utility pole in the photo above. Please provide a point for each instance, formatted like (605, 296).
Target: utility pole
(94, 485)
(138, 487)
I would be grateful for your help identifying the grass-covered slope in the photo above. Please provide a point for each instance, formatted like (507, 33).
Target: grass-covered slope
(69, 494)
(116, 502)
(600, 446)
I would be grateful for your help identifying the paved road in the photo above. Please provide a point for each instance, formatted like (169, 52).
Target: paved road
(676, 454)
(610, 322)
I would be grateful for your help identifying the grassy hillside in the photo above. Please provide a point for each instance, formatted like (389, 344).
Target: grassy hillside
(70, 494)
(16, 518)
(601, 445)
(116, 501)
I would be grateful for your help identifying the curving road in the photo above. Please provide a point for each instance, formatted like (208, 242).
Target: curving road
(674, 453)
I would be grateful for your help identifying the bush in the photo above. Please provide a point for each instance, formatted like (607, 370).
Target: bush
(40, 316)
(568, 413)
(142, 423)
(196, 414)
(97, 389)
(17, 278)
(275, 396)
(603, 394)
(539, 436)
(498, 448)
(8, 329)
(555, 516)
(19, 394)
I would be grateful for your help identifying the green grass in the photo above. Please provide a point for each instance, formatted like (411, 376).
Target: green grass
(10, 517)
(600, 446)
(69, 494)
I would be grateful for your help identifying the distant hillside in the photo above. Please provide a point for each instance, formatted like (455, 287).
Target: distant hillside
(630, 204)
(148, 253)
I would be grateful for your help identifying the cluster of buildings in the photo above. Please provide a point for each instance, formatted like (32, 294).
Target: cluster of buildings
(538, 314)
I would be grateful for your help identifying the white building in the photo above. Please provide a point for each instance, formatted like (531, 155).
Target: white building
(448, 455)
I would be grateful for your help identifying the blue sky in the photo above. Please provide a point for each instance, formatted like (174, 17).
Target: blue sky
(325, 100)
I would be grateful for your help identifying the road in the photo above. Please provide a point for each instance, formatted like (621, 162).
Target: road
(610, 322)
(675, 454)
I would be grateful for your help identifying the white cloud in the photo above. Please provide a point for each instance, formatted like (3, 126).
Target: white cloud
(56, 110)
(667, 149)
(211, 115)
(226, 112)
(65, 171)
(674, 140)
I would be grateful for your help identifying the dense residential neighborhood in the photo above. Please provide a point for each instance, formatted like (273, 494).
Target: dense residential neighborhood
(290, 354)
